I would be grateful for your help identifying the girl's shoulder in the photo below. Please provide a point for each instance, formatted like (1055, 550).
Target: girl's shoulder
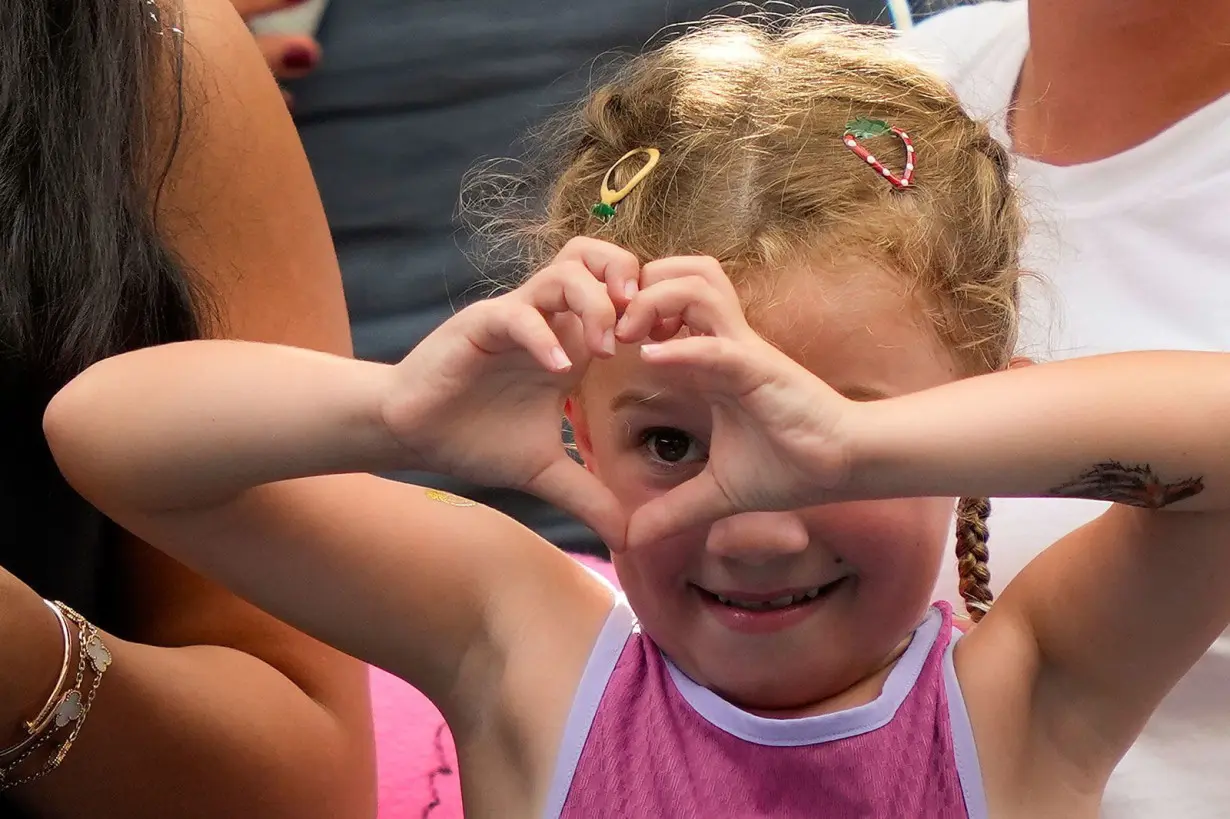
(512, 744)
(998, 665)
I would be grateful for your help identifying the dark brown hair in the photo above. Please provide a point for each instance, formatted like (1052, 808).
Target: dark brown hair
(83, 272)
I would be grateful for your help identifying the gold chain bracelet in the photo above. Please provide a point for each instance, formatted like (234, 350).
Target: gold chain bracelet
(35, 727)
(71, 707)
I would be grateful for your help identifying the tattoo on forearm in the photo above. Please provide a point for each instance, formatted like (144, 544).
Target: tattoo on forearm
(1129, 485)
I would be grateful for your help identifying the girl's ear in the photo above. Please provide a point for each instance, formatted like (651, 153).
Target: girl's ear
(575, 414)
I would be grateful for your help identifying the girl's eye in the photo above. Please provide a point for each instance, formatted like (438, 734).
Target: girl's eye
(671, 446)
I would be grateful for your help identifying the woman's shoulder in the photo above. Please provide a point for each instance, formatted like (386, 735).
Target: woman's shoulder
(239, 205)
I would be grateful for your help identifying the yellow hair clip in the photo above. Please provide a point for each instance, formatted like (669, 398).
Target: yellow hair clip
(605, 208)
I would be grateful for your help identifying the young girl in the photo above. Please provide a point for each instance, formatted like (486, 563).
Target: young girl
(778, 301)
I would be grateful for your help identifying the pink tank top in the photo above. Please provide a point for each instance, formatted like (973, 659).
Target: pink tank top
(643, 741)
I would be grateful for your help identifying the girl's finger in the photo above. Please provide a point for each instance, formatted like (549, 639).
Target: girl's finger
(695, 502)
(501, 325)
(572, 487)
(690, 300)
(712, 364)
(668, 329)
(617, 268)
(568, 287)
(677, 267)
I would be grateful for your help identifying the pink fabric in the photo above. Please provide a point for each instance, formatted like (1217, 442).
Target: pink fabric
(415, 757)
(649, 753)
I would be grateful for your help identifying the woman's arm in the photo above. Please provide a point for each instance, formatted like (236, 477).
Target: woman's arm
(1107, 620)
(199, 729)
(213, 708)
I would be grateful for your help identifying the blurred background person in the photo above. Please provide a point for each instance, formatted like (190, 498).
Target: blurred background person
(1119, 117)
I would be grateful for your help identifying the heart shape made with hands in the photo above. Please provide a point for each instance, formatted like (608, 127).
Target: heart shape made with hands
(482, 397)
(775, 439)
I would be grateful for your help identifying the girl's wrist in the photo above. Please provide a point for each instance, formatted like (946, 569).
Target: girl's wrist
(881, 454)
(838, 453)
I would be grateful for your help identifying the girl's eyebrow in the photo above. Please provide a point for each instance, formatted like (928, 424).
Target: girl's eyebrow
(659, 399)
(635, 397)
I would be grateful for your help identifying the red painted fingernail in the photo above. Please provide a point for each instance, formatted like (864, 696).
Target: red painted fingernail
(298, 59)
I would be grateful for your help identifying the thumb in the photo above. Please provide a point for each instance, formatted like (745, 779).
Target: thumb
(573, 488)
(694, 502)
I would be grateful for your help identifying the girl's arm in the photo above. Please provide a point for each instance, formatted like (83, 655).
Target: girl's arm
(243, 460)
(215, 467)
(1109, 618)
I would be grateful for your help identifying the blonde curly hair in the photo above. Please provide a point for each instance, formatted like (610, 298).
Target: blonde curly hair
(749, 114)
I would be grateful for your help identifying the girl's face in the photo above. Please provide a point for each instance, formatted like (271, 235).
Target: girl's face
(875, 563)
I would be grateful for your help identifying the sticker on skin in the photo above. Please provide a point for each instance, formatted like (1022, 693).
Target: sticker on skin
(440, 496)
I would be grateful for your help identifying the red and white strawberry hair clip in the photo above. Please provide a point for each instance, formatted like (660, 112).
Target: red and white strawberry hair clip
(864, 128)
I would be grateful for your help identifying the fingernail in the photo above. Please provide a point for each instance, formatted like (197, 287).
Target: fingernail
(298, 59)
(651, 350)
(621, 325)
(629, 288)
(608, 342)
(560, 359)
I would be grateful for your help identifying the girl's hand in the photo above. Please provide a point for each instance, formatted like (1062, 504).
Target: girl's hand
(777, 440)
(482, 397)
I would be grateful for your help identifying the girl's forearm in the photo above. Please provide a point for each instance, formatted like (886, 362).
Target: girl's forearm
(1144, 429)
(234, 414)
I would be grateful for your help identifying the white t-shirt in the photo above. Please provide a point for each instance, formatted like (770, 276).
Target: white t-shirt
(1133, 252)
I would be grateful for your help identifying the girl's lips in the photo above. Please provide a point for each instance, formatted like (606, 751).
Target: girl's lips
(766, 620)
(764, 597)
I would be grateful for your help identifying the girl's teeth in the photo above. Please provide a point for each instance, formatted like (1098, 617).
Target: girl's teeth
(776, 603)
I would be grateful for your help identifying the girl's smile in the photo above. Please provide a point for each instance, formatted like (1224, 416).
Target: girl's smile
(749, 612)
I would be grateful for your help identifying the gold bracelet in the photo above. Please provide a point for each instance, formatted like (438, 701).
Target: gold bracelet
(39, 724)
(71, 708)
(91, 646)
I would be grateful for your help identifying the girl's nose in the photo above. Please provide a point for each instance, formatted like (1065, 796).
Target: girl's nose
(757, 537)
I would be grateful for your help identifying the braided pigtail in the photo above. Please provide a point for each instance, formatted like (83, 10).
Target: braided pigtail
(972, 555)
